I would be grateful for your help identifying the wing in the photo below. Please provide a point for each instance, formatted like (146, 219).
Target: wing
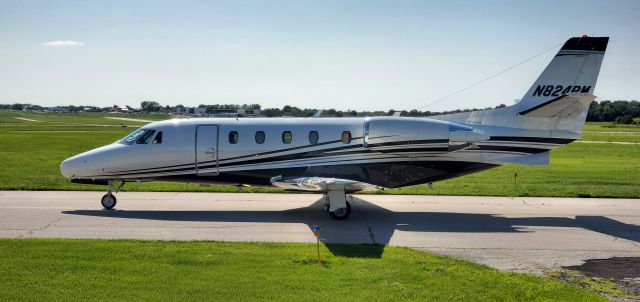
(320, 184)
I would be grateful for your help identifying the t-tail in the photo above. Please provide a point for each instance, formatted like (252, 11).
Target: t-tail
(554, 109)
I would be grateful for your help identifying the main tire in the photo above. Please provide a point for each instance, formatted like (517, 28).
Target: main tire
(108, 201)
(341, 213)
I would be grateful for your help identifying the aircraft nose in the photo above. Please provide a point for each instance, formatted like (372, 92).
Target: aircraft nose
(70, 167)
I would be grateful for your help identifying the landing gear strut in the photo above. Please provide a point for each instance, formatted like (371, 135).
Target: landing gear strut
(109, 201)
(335, 202)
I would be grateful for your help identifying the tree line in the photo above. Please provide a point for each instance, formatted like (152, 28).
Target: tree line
(621, 112)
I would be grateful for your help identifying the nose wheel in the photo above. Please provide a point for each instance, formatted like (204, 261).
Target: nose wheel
(109, 200)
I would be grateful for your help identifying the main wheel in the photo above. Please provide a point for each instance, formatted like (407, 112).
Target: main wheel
(108, 201)
(341, 213)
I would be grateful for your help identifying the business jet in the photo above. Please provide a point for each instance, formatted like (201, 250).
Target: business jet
(338, 156)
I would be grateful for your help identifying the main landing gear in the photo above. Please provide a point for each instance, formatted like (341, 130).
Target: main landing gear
(109, 201)
(335, 202)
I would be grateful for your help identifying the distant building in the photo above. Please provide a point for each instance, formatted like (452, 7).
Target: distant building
(197, 111)
(119, 108)
(236, 112)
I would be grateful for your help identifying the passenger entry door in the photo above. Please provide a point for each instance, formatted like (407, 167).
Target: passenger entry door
(207, 150)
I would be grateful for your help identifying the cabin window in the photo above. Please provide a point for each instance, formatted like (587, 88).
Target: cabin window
(146, 137)
(157, 139)
(233, 137)
(287, 137)
(260, 137)
(313, 137)
(346, 137)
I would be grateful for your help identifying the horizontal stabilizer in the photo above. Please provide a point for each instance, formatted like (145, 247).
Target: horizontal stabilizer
(562, 106)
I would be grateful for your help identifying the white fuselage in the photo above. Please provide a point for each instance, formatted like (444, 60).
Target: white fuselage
(381, 151)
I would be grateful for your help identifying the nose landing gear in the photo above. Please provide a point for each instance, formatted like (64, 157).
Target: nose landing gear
(109, 201)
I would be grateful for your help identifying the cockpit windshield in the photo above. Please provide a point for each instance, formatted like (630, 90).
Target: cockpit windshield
(133, 136)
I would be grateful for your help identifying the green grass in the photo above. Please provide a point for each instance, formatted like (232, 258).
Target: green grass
(99, 270)
(633, 137)
(607, 127)
(31, 153)
(576, 170)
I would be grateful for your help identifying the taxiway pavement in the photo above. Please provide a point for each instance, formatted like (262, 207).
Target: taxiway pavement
(515, 234)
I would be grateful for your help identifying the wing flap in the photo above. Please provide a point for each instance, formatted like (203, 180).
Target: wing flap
(320, 184)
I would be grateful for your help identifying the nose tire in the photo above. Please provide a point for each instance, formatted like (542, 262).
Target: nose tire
(108, 201)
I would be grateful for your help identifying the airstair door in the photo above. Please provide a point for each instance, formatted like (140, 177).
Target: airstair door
(207, 150)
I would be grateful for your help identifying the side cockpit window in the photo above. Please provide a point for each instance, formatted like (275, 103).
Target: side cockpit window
(142, 136)
(157, 139)
(146, 137)
(133, 136)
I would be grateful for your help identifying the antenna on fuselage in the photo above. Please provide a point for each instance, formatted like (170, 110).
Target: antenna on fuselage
(318, 113)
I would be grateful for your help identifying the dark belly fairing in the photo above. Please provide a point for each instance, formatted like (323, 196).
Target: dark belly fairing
(388, 175)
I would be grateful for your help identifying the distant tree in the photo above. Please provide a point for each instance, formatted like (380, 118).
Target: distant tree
(149, 106)
(272, 112)
(624, 119)
(17, 106)
(75, 108)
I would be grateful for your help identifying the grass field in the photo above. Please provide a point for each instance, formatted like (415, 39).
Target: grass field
(99, 270)
(31, 153)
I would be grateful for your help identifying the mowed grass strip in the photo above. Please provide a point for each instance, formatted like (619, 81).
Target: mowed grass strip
(576, 170)
(631, 137)
(67, 269)
(31, 154)
(610, 127)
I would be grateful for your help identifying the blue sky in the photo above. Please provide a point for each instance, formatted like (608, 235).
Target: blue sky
(363, 55)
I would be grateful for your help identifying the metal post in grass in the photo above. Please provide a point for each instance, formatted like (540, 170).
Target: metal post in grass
(515, 180)
(316, 231)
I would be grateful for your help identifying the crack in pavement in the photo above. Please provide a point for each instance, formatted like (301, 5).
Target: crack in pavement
(366, 220)
(31, 231)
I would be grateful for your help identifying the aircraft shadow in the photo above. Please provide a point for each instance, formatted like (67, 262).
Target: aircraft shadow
(374, 225)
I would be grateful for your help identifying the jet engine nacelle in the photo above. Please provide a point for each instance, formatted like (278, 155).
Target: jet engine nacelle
(388, 134)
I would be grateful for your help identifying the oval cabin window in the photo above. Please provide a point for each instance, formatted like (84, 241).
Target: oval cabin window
(287, 137)
(346, 137)
(260, 137)
(313, 137)
(233, 137)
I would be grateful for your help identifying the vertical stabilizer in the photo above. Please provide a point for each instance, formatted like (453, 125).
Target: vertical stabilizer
(557, 102)
(574, 70)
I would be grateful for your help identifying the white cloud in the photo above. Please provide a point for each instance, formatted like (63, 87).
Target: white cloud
(63, 44)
